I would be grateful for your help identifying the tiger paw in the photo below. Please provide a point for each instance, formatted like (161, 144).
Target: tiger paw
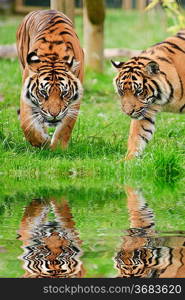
(131, 155)
(120, 161)
(43, 141)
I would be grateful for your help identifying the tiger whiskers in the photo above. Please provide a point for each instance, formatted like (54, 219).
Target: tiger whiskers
(29, 117)
(64, 112)
(34, 120)
(149, 113)
(142, 113)
(73, 113)
(35, 113)
(38, 118)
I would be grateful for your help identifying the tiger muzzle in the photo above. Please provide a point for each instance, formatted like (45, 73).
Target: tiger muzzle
(133, 113)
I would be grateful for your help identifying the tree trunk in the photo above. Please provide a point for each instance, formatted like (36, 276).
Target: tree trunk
(126, 4)
(94, 15)
(57, 4)
(8, 51)
(141, 4)
(70, 9)
(119, 52)
(65, 6)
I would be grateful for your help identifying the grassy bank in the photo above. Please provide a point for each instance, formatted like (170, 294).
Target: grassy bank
(100, 136)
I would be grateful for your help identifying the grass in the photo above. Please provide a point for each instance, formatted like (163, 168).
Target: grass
(90, 173)
(99, 140)
(100, 136)
(101, 131)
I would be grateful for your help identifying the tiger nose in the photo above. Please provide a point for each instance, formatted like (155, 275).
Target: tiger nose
(127, 111)
(130, 112)
(53, 113)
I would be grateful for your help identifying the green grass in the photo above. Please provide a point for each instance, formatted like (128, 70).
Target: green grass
(99, 139)
(89, 173)
(100, 136)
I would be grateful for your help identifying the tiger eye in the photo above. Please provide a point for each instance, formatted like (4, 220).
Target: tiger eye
(43, 93)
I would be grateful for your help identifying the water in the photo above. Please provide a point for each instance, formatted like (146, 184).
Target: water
(92, 232)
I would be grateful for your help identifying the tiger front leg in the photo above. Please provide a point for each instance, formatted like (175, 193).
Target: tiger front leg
(140, 134)
(62, 134)
(33, 129)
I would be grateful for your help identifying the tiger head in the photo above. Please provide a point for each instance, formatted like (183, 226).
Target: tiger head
(52, 87)
(137, 87)
(53, 256)
(57, 268)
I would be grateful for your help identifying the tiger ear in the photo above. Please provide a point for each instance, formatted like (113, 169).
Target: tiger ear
(73, 65)
(152, 68)
(117, 64)
(33, 61)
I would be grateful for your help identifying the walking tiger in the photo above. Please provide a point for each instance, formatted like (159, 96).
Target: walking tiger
(152, 82)
(52, 69)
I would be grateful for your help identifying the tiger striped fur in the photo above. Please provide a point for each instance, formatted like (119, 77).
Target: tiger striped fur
(145, 253)
(52, 70)
(152, 82)
(50, 248)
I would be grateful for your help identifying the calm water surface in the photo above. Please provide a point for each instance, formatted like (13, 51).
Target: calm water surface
(92, 233)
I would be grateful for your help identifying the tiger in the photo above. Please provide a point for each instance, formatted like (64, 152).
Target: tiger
(52, 63)
(150, 83)
(144, 253)
(51, 248)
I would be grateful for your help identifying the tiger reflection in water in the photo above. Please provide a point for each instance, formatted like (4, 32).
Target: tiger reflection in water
(51, 249)
(143, 253)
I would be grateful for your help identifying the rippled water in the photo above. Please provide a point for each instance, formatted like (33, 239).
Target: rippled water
(91, 233)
